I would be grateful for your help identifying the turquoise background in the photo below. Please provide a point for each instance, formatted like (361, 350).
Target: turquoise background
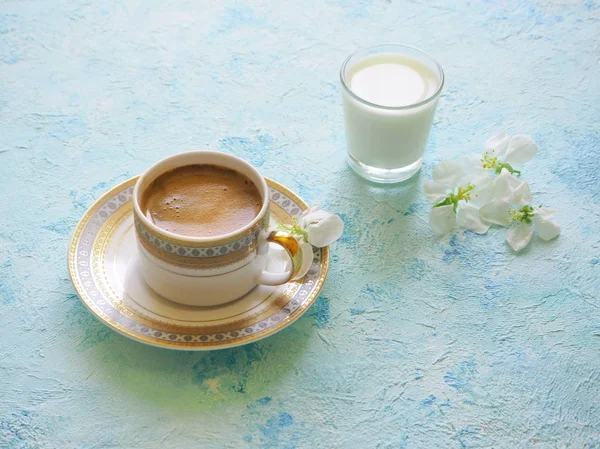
(416, 341)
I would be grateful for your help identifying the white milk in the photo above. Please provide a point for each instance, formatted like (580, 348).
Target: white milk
(387, 126)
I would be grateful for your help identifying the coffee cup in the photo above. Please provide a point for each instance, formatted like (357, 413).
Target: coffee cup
(210, 270)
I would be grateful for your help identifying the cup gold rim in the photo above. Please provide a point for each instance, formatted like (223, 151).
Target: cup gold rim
(201, 240)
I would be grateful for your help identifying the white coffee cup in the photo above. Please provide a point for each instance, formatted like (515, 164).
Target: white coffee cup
(207, 271)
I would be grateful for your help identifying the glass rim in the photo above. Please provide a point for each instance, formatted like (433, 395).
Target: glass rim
(430, 98)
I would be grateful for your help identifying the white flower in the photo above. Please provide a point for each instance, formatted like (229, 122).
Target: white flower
(504, 152)
(456, 198)
(317, 227)
(511, 208)
(322, 227)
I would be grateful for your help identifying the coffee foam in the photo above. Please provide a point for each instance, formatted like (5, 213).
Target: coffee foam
(201, 201)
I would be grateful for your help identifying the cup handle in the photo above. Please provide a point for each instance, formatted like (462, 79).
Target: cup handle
(297, 255)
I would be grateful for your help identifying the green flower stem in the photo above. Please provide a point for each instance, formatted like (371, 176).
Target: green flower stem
(464, 193)
(294, 229)
(500, 165)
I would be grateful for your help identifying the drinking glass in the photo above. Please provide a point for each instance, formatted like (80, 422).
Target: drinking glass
(385, 144)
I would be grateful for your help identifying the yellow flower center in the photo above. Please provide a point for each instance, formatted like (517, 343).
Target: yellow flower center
(489, 160)
(516, 216)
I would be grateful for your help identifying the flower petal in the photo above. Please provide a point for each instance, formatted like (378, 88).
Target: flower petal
(497, 145)
(521, 149)
(545, 228)
(519, 236)
(448, 173)
(442, 219)
(468, 218)
(435, 192)
(522, 194)
(313, 214)
(326, 231)
(484, 190)
(498, 212)
(545, 212)
(471, 165)
(506, 184)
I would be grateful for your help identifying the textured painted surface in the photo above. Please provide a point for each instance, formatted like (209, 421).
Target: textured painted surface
(415, 342)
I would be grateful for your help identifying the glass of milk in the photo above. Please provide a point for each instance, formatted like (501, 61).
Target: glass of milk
(390, 94)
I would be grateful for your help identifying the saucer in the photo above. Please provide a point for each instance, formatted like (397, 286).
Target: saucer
(103, 259)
